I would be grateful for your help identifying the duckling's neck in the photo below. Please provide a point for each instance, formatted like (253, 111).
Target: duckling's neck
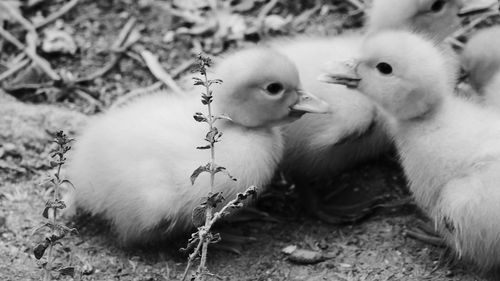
(437, 116)
(427, 113)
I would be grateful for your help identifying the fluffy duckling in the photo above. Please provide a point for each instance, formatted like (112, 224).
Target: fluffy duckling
(324, 145)
(132, 165)
(481, 61)
(448, 146)
(438, 18)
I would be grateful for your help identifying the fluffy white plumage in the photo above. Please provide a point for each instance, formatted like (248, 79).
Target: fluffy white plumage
(448, 146)
(328, 144)
(481, 60)
(132, 165)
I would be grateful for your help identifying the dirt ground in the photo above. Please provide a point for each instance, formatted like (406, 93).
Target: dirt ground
(373, 248)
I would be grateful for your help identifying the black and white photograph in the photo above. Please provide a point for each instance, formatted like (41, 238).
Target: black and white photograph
(250, 140)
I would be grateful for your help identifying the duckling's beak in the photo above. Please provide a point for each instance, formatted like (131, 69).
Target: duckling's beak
(478, 6)
(343, 73)
(309, 103)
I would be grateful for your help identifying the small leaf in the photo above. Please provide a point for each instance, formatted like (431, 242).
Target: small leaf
(223, 117)
(215, 199)
(68, 182)
(206, 99)
(214, 81)
(39, 228)
(67, 271)
(198, 171)
(199, 117)
(203, 147)
(59, 41)
(192, 242)
(198, 215)
(45, 213)
(39, 250)
(198, 81)
(220, 169)
(213, 135)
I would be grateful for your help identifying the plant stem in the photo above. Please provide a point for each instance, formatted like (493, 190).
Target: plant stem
(209, 209)
(48, 266)
(212, 143)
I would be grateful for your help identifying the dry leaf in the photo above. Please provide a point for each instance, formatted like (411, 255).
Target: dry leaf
(277, 22)
(58, 41)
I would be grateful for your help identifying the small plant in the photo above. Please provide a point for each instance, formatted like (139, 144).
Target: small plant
(56, 231)
(203, 215)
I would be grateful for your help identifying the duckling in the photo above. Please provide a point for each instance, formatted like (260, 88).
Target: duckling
(481, 61)
(132, 165)
(325, 145)
(448, 146)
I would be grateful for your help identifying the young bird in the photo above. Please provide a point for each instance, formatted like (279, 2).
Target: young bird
(325, 145)
(448, 146)
(132, 165)
(481, 61)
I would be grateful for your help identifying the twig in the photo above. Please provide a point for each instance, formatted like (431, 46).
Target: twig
(267, 9)
(454, 42)
(90, 99)
(158, 71)
(204, 230)
(189, 17)
(301, 19)
(14, 69)
(191, 258)
(432, 240)
(264, 12)
(118, 48)
(45, 65)
(358, 5)
(18, 17)
(63, 10)
(472, 24)
(176, 72)
(101, 72)
(122, 100)
(124, 33)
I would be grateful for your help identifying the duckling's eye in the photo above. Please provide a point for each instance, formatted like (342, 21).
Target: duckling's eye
(274, 88)
(438, 6)
(384, 68)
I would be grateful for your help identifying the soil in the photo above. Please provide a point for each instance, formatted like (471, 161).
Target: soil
(371, 248)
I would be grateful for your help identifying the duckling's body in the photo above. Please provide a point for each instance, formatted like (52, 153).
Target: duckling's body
(448, 146)
(459, 184)
(325, 145)
(132, 165)
(481, 60)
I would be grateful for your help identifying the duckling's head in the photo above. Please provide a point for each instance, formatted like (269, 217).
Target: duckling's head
(437, 18)
(261, 87)
(481, 57)
(404, 73)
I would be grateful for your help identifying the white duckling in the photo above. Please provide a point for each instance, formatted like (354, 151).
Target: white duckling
(132, 165)
(448, 146)
(325, 145)
(481, 61)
